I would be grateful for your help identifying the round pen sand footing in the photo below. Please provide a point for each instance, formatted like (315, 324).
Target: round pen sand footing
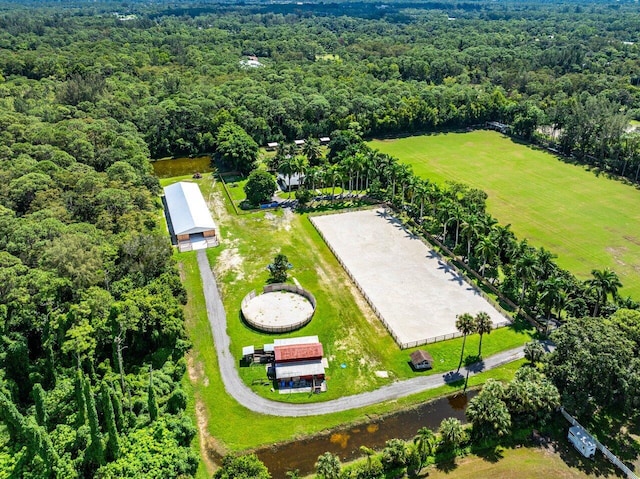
(281, 308)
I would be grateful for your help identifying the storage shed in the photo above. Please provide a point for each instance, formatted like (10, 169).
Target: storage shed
(421, 360)
(188, 212)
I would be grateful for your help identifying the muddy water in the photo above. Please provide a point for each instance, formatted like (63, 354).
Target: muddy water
(346, 443)
(181, 166)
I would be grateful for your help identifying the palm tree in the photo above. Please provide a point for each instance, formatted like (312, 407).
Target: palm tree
(311, 149)
(286, 168)
(470, 227)
(452, 433)
(331, 177)
(369, 453)
(328, 466)
(533, 352)
(487, 249)
(483, 325)
(424, 441)
(604, 283)
(525, 269)
(465, 323)
(551, 295)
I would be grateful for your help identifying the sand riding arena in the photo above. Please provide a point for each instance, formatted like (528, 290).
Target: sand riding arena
(279, 309)
(414, 292)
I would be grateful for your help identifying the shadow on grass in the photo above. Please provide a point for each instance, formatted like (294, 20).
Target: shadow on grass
(490, 454)
(446, 466)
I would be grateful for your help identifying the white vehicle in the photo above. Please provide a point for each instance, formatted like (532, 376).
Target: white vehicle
(582, 441)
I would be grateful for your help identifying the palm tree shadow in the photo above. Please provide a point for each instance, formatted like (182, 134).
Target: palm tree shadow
(492, 455)
(447, 466)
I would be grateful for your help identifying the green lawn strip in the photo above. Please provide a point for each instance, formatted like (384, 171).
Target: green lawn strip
(229, 422)
(589, 221)
(236, 427)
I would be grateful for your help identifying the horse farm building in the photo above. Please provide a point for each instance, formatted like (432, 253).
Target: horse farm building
(298, 363)
(189, 218)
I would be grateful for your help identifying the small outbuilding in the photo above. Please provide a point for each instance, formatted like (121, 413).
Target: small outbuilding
(298, 142)
(324, 140)
(271, 146)
(421, 360)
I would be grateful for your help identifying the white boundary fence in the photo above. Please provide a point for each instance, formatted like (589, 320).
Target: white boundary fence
(607, 453)
(419, 342)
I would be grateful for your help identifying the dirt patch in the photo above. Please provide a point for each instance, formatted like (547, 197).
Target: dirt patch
(282, 221)
(230, 260)
(195, 369)
(632, 239)
(210, 449)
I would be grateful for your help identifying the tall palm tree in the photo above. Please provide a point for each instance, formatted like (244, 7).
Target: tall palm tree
(331, 177)
(525, 269)
(465, 323)
(604, 283)
(470, 228)
(424, 441)
(311, 149)
(328, 466)
(551, 295)
(487, 249)
(483, 325)
(286, 168)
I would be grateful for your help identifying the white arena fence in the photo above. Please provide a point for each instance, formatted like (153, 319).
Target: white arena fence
(411, 344)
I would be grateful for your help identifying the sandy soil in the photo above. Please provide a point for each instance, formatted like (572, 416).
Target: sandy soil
(414, 290)
(278, 309)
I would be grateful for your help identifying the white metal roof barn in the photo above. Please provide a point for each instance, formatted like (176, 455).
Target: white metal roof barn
(190, 218)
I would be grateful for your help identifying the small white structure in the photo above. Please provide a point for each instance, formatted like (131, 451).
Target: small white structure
(272, 145)
(298, 142)
(324, 140)
(290, 182)
(188, 213)
(582, 441)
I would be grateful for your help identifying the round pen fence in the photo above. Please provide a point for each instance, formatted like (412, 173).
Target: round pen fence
(270, 313)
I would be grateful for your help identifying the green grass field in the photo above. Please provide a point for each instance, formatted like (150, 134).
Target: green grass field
(347, 327)
(589, 221)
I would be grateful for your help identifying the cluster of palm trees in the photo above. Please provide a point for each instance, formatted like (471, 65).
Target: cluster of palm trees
(469, 324)
(456, 215)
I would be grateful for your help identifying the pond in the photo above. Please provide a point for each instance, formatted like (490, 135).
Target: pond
(346, 443)
(168, 168)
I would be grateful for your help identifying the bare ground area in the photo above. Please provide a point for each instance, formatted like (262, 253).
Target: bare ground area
(414, 290)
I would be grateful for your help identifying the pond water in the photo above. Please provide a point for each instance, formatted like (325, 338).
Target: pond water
(346, 443)
(168, 168)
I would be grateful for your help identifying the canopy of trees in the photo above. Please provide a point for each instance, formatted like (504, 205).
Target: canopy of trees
(91, 328)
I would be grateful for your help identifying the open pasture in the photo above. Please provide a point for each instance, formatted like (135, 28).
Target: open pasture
(417, 294)
(589, 221)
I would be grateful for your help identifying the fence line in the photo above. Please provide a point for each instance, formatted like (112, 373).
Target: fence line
(270, 288)
(607, 453)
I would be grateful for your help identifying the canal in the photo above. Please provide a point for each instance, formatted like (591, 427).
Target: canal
(345, 443)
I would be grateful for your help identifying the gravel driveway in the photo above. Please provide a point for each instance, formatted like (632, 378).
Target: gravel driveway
(245, 396)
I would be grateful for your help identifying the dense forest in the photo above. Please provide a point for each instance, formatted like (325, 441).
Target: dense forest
(91, 329)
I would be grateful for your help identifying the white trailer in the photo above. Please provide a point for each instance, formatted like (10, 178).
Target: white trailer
(582, 441)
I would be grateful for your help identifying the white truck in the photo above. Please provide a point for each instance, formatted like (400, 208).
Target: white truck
(582, 441)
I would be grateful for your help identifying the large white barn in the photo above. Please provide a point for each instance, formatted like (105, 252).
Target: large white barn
(188, 213)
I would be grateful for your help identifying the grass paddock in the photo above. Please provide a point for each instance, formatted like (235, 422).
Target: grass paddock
(589, 221)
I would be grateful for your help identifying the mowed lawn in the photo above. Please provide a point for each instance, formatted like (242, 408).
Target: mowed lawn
(589, 221)
(524, 463)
